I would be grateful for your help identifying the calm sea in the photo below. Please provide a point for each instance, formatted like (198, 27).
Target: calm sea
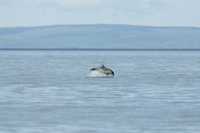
(53, 91)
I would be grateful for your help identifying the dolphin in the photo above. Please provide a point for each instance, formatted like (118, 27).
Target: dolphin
(103, 69)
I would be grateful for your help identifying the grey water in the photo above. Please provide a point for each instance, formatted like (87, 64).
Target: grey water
(53, 91)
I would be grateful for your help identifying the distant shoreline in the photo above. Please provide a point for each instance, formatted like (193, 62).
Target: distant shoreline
(100, 37)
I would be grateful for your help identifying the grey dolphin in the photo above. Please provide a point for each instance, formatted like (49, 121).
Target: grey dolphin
(103, 69)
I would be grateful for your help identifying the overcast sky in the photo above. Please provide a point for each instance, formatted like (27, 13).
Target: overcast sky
(134, 12)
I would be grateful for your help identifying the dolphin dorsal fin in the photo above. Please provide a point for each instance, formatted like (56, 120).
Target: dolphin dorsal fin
(103, 66)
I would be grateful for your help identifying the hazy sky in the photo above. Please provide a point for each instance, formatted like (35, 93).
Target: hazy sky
(135, 12)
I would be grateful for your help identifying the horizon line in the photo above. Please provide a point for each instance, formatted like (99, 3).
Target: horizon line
(101, 24)
(178, 49)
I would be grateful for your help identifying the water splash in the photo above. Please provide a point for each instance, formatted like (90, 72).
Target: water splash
(95, 74)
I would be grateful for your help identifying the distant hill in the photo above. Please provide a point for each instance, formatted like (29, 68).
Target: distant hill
(101, 37)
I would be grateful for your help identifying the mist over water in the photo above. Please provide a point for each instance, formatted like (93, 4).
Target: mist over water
(55, 91)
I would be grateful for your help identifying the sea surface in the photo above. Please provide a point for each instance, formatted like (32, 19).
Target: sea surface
(53, 91)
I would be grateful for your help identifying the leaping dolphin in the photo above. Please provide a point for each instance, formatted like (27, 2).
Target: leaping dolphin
(103, 69)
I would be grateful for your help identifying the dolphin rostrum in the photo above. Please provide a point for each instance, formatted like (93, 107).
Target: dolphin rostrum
(103, 69)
